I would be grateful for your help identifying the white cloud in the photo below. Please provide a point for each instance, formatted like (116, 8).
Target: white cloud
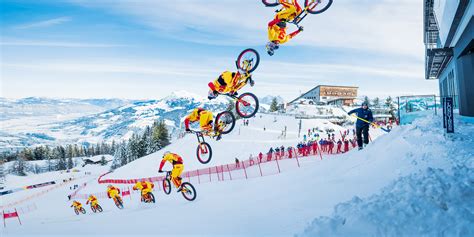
(44, 23)
(40, 43)
(384, 26)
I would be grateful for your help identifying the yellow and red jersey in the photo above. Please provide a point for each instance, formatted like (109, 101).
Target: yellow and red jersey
(173, 158)
(92, 199)
(76, 204)
(225, 83)
(204, 117)
(113, 191)
(144, 185)
(278, 34)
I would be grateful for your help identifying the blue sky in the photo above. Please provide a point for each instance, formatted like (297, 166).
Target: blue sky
(146, 49)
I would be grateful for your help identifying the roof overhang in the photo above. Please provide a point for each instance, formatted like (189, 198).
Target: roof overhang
(436, 61)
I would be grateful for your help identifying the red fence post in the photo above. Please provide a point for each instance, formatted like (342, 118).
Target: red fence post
(230, 175)
(245, 171)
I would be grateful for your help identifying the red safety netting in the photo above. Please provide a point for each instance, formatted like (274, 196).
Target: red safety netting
(255, 166)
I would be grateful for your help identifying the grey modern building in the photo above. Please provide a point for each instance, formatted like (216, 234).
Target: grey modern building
(449, 42)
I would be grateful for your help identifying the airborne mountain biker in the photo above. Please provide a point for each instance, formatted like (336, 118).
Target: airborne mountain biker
(227, 82)
(277, 35)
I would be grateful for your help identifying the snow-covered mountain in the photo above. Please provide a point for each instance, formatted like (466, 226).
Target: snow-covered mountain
(112, 124)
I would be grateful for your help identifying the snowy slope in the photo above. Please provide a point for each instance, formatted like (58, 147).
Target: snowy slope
(285, 204)
(241, 143)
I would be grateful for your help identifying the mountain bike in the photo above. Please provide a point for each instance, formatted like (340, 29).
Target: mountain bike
(187, 190)
(96, 208)
(118, 201)
(224, 124)
(246, 105)
(79, 210)
(310, 6)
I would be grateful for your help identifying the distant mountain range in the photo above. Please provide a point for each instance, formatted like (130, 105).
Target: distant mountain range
(34, 121)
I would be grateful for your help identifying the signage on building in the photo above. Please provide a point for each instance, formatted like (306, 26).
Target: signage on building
(338, 91)
(449, 115)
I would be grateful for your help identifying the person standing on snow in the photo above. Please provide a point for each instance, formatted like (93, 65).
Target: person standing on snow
(362, 128)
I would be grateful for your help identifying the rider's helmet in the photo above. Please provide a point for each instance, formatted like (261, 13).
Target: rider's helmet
(166, 153)
(109, 186)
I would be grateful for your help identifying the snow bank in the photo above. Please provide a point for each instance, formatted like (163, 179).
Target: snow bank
(430, 202)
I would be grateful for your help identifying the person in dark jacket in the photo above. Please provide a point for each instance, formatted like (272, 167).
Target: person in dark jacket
(362, 127)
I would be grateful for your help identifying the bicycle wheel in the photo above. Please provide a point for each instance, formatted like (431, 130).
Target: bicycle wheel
(119, 203)
(167, 186)
(93, 209)
(317, 7)
(99, 208)
(151, 197)
(225, 122)
(248, 60)
(204, 153)
(270, 3)
(83, 210)
(247, 105)
(76, 211)
(189, 193)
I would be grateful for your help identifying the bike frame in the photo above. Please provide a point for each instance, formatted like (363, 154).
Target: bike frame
(304, 12)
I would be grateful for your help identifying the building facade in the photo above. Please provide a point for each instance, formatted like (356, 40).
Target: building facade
(325, 94)
(449, 43)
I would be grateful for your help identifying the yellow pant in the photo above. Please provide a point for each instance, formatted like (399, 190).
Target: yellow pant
(205, 119)
(94, 203)
(176, 173)
(146, 190)
(288, 13)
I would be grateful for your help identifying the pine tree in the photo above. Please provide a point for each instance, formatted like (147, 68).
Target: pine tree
(70, 164)
(19, 167)
(274, 105)
(376, 102)
(103, 161)
(2, 174)
(367, 100)
(163, 135)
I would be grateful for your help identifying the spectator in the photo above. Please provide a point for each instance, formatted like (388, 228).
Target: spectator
(346, 145)
(362, 127)
(237, 162)
(260, 157)
(339, 145)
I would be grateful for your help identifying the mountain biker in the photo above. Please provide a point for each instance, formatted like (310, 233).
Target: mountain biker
(93, 200)
(77, 205)
(145, 187)
(113, 191)
(227, 82)
(178, 167)
(205, 119)
(277, 35)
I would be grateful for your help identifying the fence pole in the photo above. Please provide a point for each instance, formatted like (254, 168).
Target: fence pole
(210, 180)
(199, 180)
(260, 168)
(18, 216)
(297, 161)
(245, 171)
(217, 172)
(320, 153)
(230, 175)
(279, 171)
(3, 216)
